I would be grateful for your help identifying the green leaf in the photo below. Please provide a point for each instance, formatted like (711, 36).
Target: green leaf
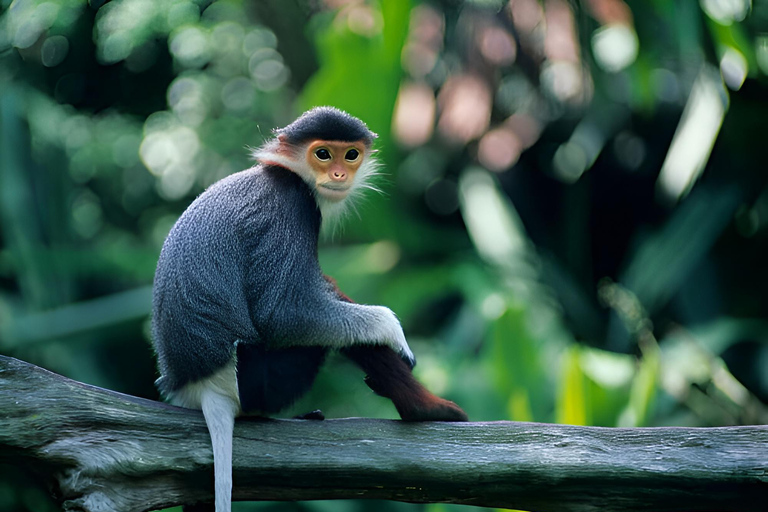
(644, 385)
(518, 369)
(572, 405)
(665, 259)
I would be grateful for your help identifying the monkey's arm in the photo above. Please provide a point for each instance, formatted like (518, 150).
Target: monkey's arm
(314, 316)
(389, 376)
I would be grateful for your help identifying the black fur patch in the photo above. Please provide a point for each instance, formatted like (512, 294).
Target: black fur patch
(327, 123)
(270, 380)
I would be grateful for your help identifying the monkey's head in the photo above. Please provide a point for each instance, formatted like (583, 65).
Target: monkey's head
(329, 149)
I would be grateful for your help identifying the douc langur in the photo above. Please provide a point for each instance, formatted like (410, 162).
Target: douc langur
(243, 316)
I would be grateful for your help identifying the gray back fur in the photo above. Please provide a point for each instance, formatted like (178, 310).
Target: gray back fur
(234, 268)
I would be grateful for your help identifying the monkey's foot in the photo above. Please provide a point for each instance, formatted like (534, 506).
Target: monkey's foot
(414, 402)
(432, 409)
(316, 415)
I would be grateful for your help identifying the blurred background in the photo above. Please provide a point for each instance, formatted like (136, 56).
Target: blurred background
(574, 224)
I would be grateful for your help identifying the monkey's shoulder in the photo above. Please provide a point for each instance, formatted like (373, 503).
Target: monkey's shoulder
(247, 216)
(259, 190)
(253, 196)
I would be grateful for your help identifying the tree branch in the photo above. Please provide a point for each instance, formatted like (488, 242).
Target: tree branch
(103, 450)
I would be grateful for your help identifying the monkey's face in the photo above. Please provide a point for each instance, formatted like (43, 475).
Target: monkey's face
(334, 165)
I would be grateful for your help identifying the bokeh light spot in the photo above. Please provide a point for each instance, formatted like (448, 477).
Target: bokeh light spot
(364, 20)
(270, 74)
(238, 94)
(87, 216)
(171, 152)
(465, 102)
(527, 15)
(381, 257)
(257, 39)
(187, 99)
(39, 20)
(497, 46)
(182, 13)
(615, 47)
(414, 118)
(499, 149)
(54, 50)
(563, 79)
(125, 151)
(190, 46)
(726, 12)
(733, 67)
(569, 162)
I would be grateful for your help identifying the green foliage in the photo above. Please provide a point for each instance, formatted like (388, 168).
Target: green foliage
(518, 369)
(570, 230)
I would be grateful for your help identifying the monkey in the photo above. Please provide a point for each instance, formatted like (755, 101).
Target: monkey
(242, 314)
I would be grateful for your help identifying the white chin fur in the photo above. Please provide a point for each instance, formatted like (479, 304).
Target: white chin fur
(332, 208)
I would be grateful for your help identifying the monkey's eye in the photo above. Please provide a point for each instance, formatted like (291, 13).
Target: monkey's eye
(323, 154)
(352, 155)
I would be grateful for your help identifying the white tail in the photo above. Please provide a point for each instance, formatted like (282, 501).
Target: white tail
(220, 411)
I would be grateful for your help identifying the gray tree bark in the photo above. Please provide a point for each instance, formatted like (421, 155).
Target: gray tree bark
(104, 451)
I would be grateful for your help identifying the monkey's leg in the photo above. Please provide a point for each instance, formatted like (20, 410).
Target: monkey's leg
(389, 376)
(270, 380)
(220, 411)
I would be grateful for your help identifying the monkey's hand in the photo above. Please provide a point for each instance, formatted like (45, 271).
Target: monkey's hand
(387, 331)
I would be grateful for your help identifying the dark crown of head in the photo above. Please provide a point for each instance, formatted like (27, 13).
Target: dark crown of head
(327, 123)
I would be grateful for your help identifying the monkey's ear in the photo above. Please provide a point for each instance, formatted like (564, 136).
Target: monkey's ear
(282, 138)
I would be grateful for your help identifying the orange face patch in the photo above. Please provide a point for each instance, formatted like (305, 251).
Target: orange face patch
(334, 164)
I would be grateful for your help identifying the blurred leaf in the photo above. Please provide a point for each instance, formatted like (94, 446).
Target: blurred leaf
(594, 387)
(734, 36)
(495, 226)
(75, 318)
(609, 376)
(517, 367)
(664, 260)
(640, 407)
(519, 406)
(579, 304)
(21, 227)
(719, 335)
(643, 93)
(573, 405)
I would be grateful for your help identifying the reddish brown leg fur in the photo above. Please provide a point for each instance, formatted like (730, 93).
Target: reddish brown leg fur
(389, 376)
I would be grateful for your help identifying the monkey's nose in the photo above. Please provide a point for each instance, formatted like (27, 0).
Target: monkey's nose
(338, 174)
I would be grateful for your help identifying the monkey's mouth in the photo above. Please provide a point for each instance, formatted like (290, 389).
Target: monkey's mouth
(334, 191)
